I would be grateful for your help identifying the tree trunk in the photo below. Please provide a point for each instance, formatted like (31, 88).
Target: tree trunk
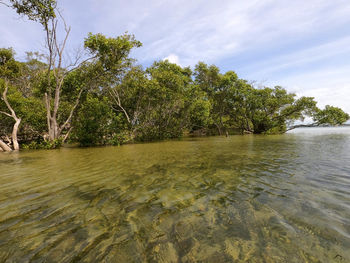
(5, 147)
(219, 129)
(248, 128)
(14, 134)
(303, 126)
(15, 126)
(53, 131)
(55, 57)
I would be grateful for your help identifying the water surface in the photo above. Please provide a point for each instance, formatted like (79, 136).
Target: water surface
(282, 198)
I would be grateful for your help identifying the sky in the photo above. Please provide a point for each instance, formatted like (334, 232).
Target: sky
(301, 45)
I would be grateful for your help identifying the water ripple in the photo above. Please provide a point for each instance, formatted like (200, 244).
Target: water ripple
(237, 199)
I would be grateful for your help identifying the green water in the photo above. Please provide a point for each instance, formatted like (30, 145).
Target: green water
(279, 198)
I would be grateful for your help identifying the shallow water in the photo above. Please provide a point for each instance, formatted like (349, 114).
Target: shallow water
(282, 198)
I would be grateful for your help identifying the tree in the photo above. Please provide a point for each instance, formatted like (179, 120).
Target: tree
(108, 55)
(199, 109)
(36, 10)
(228, 96)
(130, 98)
(44, 12)
(9, 69)
(207, 77)
(94, 122)
(241, 100)
(19, 105)
(112, 62)
(273, 108)
(237, 104)
(165, 114)
(330, 115)
(105, 97)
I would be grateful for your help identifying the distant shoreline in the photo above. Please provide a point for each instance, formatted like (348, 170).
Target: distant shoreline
(339, 126)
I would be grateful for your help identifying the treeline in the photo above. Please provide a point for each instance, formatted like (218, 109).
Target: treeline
(106, 98)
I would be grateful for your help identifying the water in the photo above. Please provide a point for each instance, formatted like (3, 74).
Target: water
(282, 198)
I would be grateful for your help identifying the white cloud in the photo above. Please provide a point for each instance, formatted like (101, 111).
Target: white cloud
(226, 28)
(198, 30)
(338, 97)
(294, 59)
(328, 86)
(172, 58)
(302, 45)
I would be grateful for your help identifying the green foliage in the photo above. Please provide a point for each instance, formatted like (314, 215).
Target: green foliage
(165, 104)
(199, 108)
(44, 145)
(228, 96)
(27, 107)
(331, 115)
(207, 77)
(271, 110)
(108, 99)
(30, 109)
(36, 10)
(120, 138)
(33, 116)
(9, 67)
(94, 121)
(112, 53)
(121, 102)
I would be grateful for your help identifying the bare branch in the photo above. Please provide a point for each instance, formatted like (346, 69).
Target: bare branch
(67, 134)
(303, 126)
(48, 111)
(7, 114)
(1, 2)
(72, 111)
(14, 116)
(4, 146)
(63, 45)
(4, 97)
(78, 56)
(80, 64)
(115, 96)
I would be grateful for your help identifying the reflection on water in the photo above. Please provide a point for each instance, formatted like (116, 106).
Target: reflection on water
(237, 199)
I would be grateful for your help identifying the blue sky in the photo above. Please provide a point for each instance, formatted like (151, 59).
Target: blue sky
(301, 45)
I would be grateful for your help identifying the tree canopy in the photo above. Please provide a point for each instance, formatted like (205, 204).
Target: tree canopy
(36, 10)
(107, 98)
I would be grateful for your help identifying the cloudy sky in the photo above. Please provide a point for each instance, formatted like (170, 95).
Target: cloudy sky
(302, 45)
